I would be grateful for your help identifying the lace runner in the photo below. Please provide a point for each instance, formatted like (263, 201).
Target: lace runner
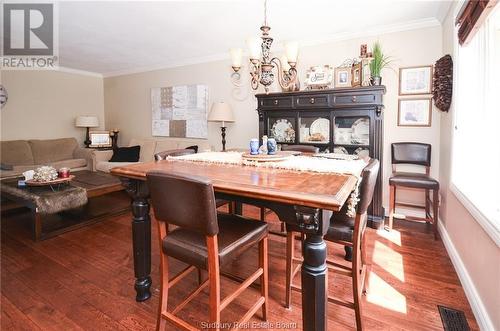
(296, 163)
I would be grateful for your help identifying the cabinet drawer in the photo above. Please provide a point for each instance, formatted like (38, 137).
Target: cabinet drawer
(277, 102)
(311, 101)
(355, 98)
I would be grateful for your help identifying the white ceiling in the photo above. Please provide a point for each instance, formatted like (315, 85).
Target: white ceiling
(117, 37)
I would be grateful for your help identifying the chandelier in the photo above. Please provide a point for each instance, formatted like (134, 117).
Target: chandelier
(261, 62)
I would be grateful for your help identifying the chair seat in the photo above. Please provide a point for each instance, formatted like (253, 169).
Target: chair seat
(415, 180)
(236, 235)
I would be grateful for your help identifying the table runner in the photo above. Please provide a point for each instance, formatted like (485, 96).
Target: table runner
(294, 163)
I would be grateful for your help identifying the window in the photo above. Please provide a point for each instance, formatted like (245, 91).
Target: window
(476, 138)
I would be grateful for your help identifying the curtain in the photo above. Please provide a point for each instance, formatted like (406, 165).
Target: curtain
(476, 139)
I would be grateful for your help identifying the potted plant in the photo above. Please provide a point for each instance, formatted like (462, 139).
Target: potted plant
(379, 62)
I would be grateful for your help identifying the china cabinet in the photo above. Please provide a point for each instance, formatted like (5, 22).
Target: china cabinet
(347, 120)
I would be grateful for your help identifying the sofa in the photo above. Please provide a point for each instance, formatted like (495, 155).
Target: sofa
(18, 156)
(149, 147)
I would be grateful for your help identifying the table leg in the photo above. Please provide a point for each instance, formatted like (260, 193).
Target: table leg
(141, 237)
(314, 270)
(238, 208)
(37, 226)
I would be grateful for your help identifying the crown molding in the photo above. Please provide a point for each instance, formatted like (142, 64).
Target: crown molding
(170, 65)
(443, 10)
(79, 72)
(383, 29)
(376, 31)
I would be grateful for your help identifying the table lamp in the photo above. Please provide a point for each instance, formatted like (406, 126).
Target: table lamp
(87, 122)
(221, 112)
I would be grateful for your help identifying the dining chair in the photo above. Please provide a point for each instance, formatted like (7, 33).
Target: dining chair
(300, 148)
(203, 239)
(347, 231)
(415, 154)
(290, 148)
(188, 151)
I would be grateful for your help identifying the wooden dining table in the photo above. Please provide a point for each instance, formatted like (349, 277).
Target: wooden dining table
(297, 197)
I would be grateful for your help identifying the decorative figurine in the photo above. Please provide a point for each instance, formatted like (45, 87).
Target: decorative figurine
(263, 147)
(254, 146)
(271, 146)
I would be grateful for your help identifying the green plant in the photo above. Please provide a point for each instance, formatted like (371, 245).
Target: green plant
(379, 61)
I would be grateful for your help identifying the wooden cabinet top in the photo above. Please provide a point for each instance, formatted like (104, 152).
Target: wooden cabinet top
(331, 98)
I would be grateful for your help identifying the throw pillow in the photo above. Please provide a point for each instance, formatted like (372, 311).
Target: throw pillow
(194, 147)
(126, 154)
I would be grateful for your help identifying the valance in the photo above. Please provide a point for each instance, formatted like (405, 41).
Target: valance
(470, 18)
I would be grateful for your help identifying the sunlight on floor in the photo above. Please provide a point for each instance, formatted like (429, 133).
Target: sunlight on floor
(384, 295)
(393, 236)
(390, 260)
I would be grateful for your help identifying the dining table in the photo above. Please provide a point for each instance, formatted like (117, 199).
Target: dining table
(297, 197)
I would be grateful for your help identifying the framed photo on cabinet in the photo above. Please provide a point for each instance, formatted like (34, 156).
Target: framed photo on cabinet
(415, 80)
(343, 77)
(415, 112)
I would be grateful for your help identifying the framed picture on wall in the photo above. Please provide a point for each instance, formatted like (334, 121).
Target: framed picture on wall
(414, 112)
(415, 80)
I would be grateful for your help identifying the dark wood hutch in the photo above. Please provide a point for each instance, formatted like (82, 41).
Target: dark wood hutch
(345, 120)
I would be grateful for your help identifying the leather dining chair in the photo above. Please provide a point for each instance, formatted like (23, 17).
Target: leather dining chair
(203, 239)
(347, 231)
(188, 151)
(290, 148)
(415, 154)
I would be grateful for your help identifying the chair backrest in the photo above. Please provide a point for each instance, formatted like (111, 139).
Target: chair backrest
(411, 153)
(300, 148)
(173, 152)
(185, 201)
(367, 187)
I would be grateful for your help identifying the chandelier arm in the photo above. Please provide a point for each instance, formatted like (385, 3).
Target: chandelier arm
(255, 74)
(285, 79)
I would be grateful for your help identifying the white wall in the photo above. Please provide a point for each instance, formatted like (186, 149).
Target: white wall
(44, 104)
(128, 105)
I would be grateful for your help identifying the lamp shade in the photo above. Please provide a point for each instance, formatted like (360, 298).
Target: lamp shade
(236, 55)
(292, 51)
(87, 122)
(284, 63)
(221, 112)
(254, 48)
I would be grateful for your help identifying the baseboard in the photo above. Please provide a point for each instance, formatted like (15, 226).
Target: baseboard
(482, 317)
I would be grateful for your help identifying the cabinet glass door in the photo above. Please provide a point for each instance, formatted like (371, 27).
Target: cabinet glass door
(282, 129)
(314, 130)
(352, 135)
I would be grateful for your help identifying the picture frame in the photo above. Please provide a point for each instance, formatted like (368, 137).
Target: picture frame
(356, 75)
(319, 77)
(343, 77)
(100, 139)
(415, 112)
(416, 80)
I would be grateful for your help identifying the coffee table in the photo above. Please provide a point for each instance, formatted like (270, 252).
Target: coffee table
(105, 197)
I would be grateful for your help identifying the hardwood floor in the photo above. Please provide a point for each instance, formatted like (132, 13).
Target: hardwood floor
(83, 280)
